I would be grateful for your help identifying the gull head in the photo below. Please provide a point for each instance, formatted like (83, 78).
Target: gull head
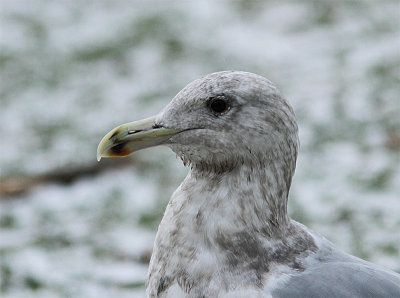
(217, 123)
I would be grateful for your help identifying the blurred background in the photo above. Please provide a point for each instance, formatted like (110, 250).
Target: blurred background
(72, 70)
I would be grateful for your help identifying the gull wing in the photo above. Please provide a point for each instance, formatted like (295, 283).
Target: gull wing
(355, 278)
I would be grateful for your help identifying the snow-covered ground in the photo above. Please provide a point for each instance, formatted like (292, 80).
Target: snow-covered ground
(71, 71)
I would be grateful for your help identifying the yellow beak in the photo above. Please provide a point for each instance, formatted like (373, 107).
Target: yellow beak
(133, 136)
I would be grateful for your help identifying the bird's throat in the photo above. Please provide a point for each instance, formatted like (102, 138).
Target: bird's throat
(247, 197)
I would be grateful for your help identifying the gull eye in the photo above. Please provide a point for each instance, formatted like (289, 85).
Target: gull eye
(218, 105)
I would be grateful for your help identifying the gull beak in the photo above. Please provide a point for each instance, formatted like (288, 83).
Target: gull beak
(133, 136)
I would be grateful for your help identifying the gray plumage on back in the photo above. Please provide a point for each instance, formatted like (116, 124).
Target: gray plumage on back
(333, 273)
(226, 231)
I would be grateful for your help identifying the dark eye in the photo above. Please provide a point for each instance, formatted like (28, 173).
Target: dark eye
(218, 105)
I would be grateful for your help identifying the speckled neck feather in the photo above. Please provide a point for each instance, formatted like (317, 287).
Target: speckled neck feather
(228, 229)
(257, 191)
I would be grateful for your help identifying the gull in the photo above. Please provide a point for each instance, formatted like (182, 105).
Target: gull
(226, 231)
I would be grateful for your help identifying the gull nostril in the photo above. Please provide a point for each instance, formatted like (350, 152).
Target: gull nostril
(131, 132)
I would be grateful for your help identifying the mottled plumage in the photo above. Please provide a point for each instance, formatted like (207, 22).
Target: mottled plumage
(226, 231)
